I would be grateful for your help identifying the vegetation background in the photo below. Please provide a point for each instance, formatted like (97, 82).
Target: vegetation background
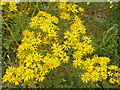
(101, 21)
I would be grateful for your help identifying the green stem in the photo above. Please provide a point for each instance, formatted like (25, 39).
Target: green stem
(35, 8)
(11, 34)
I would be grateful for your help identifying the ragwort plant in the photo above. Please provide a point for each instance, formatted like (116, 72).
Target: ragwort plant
(42, 50)
(12, 27)
(35, 61)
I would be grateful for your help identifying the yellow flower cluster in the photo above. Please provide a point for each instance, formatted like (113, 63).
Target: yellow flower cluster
(65, 15)
(12, 5)
(97, 69)
(111, 3)
(33, 64)
(44, 21)
(67, 8)
(3, 3)
(77, 40)
(42, 50)
(88, 3)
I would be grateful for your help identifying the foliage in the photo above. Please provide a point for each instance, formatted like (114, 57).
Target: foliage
(53, 41)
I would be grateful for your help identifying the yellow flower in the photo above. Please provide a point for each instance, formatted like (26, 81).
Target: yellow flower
(72, 37)
(87, 39)
(77, 19)
(81, 9)
(85, 77)
(55, 45)
(58, 51)
(112, 80)
(46, 39)
(54, 19)
(52, 33)
(77, 63)
(113, 67)
(10, 70)
(110, 73)
(28, 74)
(3, 3)
(27, 33)
(78, 55)
(66, 45)
(13, 6)
(110, 2)
(117, 74)
(53, 63)
(36, 67)
(100, 69)
(103, 75)
(94, 76)
(64, 57)
(88, 3)
(44, 70)
(37, 56)
(103, 63)
(28, 60)
(95, 59)
(16, 80)
(118, 81)
(62, 5)
(43, 13)
(88, 65)
(46, 59)
(8, 77)
(89, 48)
(73, 8)
(64, 15)
(40, 77)
(67, 34)
(78, 46)
(111, 6)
